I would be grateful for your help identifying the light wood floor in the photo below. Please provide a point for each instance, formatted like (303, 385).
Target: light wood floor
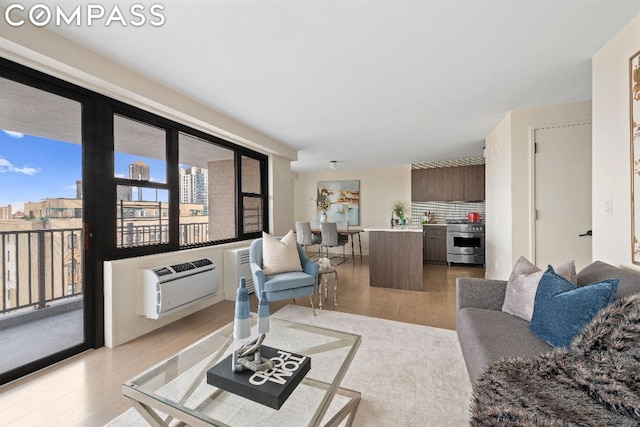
(86, 390)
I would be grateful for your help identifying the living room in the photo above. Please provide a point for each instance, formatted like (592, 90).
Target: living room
(506, 150)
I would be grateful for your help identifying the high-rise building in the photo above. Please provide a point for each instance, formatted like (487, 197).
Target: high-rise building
(140, 172)
(6, 212)
(194, 186)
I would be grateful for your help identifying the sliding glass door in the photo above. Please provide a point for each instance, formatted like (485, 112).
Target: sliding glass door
(42, 275)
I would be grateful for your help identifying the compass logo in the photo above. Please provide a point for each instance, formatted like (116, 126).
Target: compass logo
(40, 15)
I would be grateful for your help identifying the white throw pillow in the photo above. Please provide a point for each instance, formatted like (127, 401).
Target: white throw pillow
(280, 256)
(523, 284)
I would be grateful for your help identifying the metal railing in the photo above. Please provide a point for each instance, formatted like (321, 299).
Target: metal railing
(130, 235)
(39, 267)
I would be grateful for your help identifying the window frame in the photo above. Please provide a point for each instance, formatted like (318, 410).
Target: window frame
(172, 184)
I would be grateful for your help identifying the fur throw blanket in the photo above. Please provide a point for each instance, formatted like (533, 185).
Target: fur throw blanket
(595, 382)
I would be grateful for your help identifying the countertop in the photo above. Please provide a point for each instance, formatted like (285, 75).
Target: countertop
(405, 228)
(435, 224)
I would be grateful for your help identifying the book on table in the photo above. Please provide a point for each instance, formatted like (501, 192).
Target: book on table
(271, 387)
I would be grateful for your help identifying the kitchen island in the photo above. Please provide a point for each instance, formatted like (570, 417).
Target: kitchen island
(395, 257)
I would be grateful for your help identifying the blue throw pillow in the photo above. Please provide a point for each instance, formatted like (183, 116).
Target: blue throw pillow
(561, 309)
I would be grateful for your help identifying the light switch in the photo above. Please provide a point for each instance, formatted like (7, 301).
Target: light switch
(608, 206)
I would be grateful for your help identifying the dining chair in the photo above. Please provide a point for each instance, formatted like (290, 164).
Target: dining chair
(342, 225)
(305, 237)
(331, 239)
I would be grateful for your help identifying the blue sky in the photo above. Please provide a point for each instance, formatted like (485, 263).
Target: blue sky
(34, 168)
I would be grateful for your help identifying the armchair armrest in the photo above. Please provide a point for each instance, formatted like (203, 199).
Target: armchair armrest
(480, 293)
(258, 277)
(311, 268)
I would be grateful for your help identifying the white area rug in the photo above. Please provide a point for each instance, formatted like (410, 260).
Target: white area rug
(409, 375)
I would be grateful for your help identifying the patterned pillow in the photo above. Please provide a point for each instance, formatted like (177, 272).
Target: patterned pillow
(280, 256)
(523, 283)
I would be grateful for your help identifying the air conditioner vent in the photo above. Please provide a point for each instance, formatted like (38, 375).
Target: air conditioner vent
(202, 262)
(163, 271)
(179, 268)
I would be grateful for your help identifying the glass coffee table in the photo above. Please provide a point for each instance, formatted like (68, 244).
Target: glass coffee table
(176, 390)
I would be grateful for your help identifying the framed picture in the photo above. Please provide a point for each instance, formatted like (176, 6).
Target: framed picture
(634, 109)
(341, 200)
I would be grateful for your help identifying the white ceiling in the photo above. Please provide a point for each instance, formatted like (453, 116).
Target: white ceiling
(369, 83)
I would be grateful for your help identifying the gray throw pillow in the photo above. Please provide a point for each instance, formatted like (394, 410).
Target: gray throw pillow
(523, 284)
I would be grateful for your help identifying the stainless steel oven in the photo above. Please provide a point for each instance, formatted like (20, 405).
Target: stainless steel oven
(465, 243)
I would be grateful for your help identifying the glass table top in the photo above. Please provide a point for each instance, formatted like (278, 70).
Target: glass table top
(179, 383)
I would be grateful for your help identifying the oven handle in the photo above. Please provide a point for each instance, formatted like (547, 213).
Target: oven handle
(466, 234)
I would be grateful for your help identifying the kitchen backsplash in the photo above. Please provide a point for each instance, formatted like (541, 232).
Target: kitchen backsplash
(444, 211)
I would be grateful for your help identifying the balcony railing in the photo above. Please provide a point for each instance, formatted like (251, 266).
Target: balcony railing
(130, 235)
(39, 267)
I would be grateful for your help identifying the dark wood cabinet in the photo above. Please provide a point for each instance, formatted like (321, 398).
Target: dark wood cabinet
(395, 260)
(474, 183)
(435, 243)
(448, 184)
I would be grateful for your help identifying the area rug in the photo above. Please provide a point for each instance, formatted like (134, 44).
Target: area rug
(408, 374)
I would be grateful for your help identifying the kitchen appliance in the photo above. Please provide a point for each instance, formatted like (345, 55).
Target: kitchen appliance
(465, 242)
(473, 217)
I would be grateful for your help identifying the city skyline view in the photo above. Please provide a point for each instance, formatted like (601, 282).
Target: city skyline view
(34, 168)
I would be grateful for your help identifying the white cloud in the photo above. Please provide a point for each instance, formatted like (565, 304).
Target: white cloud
(13, 134)
(6, 166)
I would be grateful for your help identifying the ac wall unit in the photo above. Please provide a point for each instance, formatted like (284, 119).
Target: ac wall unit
(236, 265)
(170, 288)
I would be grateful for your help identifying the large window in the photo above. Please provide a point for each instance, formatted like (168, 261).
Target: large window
(142, 195)
(177, 187)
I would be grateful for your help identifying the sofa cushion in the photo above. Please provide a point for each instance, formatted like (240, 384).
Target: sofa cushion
(562, 308)
(523, 283)
(280, 256)
(629, 281)
(489, 335)
(285, 281)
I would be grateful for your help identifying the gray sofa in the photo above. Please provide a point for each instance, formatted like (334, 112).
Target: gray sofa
(486, 334)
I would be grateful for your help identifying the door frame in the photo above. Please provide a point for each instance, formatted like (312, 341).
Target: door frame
(532, 175)
(93, 298)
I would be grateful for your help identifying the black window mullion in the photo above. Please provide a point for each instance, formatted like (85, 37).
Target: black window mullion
(238, 192)
(173, 183)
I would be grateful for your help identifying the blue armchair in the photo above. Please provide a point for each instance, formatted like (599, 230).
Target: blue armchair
(284, 285)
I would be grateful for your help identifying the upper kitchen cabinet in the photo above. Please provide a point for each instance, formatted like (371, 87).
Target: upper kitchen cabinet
(447, 184)
(473, 183)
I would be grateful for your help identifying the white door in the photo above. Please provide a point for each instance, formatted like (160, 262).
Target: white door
(562, 189)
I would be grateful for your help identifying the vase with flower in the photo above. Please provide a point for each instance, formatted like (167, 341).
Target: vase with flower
(323, 203)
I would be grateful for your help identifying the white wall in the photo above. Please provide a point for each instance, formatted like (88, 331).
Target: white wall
(509, 164)
(611, 147)
(122, 318)
(280, 189)
(379, 188)
(498, 238)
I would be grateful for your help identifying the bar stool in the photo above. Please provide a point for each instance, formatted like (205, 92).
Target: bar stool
(324, 274)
